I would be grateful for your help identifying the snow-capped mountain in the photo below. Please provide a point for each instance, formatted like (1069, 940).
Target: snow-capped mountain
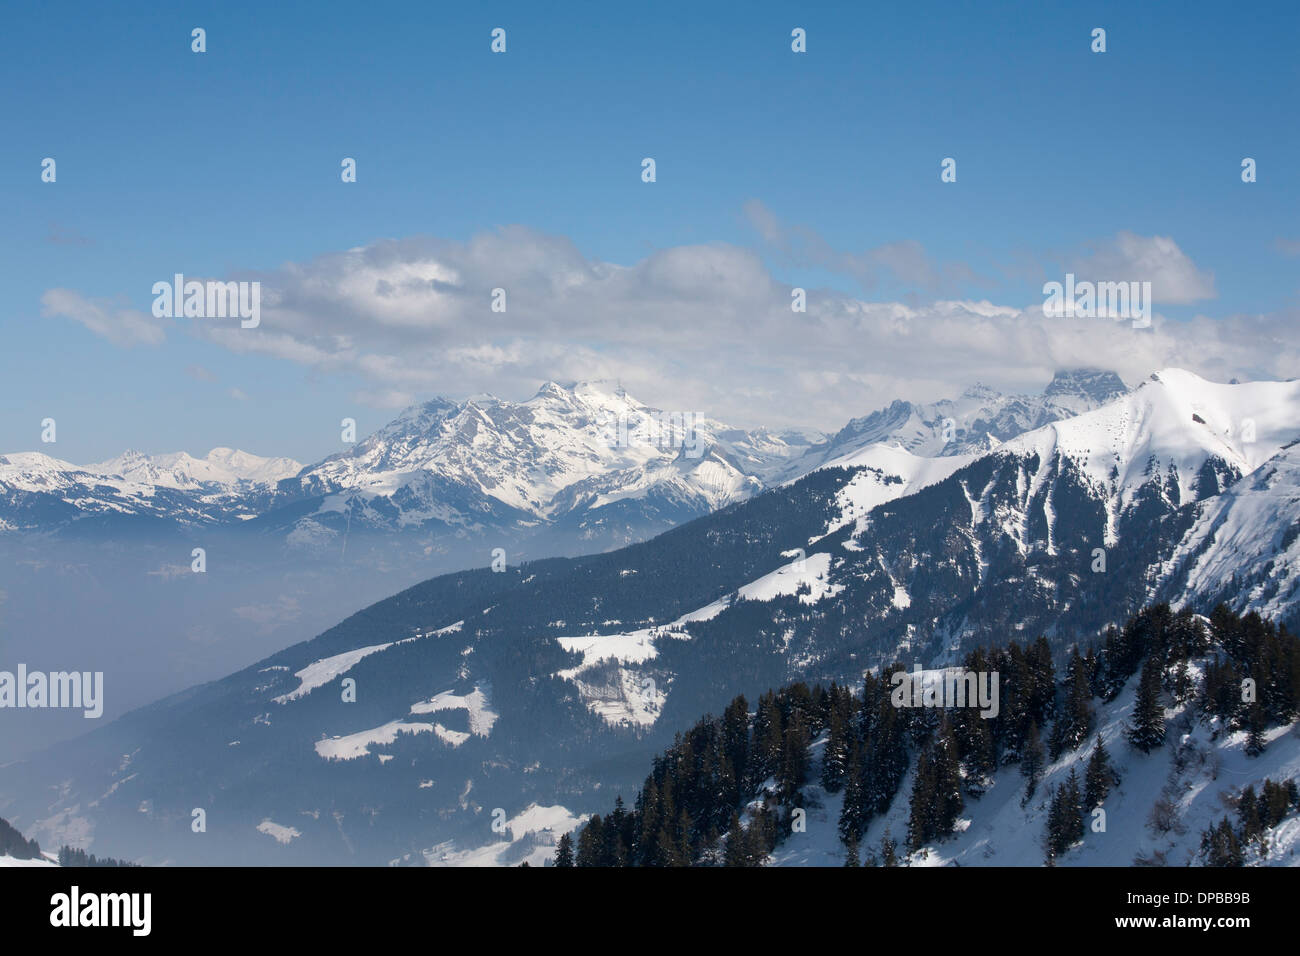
(977, 421)
(586, 464)
(42, 494)
(221, 466)
(549, 684)
(565, 451)
(1245, 543)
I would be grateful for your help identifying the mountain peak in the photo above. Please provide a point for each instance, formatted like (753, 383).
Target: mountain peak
(981, 391)
(1100, 385)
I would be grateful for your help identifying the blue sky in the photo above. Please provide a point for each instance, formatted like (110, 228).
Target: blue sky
(226, 163)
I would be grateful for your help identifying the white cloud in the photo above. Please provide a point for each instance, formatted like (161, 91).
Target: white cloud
(705, 328)
(120, 326)
(905, 261)
(1174, 278)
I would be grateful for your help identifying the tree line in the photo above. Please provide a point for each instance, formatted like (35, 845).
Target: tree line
(729, 789)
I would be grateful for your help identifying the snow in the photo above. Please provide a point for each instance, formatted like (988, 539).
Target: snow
(481, 716)
(890, 472)
(321, 672)
(223, 466)
(356, 745)
(476, 704)
(1155, 428)
(785, 581)
(586, 445)
(995, 830)
(532, 835)
(637, 699)
(1240, 535)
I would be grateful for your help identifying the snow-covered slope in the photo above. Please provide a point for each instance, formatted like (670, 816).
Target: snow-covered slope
(977, 421)
(1245, 545)
(1172, 427)
(1197, 770)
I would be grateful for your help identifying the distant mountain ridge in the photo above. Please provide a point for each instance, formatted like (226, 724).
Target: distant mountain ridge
(584, 462)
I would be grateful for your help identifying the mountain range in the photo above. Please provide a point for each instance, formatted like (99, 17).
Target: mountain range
(586, 462)
(530, 693)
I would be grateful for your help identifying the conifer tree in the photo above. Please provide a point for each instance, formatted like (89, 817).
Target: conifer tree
(1032, 761)
(835, 756)
(1255, 724)
(885, 759)
(1252, 827)
(1147, 731)
(1220, 846)
(851, 852)
(1075, 720)
(1064, 818)
(590, 843)
(948, 802)
(564, 853)
(852, 813)
(888, 850)
(975, 743)
(1099, 777)
(921, 813)
(736, 852)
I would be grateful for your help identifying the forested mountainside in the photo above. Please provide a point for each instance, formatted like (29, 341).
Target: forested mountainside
(739, 790)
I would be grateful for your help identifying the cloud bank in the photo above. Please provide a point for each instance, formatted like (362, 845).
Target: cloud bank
(704, 327)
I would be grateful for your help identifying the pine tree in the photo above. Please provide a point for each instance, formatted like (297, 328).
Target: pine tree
(1064, 818)
(590, 843)
(1075, 720)
(564, 854)
(851, 852)
(836, 755)
(1220, 846)
(1099, 777)
(978, 750)
(1032, 761)
(921, 813)
(737, 850)
(793, 769)
(1252, 827)
(948, 802)
(1072, 807)
(1255, 724)
(853, 812)
(884, 763)
(888, 850)
(1147, 731)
